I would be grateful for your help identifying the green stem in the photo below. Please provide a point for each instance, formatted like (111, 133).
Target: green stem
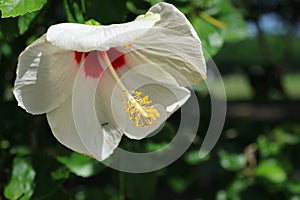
(83, 8)
(122, 186)
(213, 20)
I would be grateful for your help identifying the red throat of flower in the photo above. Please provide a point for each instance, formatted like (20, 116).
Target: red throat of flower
(92, 66)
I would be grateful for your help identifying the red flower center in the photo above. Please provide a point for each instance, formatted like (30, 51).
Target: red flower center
(92, 66)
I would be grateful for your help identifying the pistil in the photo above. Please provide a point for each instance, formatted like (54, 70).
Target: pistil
(141, 111)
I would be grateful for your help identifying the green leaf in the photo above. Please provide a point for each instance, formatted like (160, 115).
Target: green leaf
(236, 28)
(211, 7)
(68, 12)
(218, 22)
(153, 2)
(285, 137)
(81, 165)
(274, 142)
(272, 171)
(132, 8)
(178, 184)
(107, 191)
(267, 146)
(232, 162)
(221, 195)
(21, 184)
(60, 174)
(93, 22)
(78, 13)
(25, 21)
(212, 39)
(14, 8)
(192, 157)
(294, 187)
(235, 188)
(151, 146)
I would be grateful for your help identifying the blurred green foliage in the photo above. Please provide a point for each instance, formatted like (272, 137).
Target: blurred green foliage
(254, 159)
(21, 184)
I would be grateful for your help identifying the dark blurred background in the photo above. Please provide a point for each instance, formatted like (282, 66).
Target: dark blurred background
(255, 45)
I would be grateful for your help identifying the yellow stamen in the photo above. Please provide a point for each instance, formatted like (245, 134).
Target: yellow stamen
(128, 45)
(140, 109)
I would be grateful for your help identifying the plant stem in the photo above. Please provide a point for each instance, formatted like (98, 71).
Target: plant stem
(83, 8)
(212, 20)
(121, 186)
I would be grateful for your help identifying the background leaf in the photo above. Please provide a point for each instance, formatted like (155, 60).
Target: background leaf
(236, 28)
(212, 39)
(25, 21)
(13, 8)
(257, 155)
(21, 185)
(80, 165)
(272, 171)
(231, 161)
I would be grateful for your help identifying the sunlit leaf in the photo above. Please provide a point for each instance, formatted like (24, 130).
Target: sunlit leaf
(13, 8)
(231, 161)
(267, 146)
(93, 22)
(78, 13)
(274, 142)
(211, 38)
(211, 7)
(80, 165)
(272, 171)
(236, 28)
(21, 184)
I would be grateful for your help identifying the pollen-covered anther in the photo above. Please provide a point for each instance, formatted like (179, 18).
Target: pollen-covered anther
(140, 109)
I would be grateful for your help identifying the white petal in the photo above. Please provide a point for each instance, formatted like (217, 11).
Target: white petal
(86, 38)
(63, 128)
(95, 130)
(45, 77)
(173, 19)
(172, 41)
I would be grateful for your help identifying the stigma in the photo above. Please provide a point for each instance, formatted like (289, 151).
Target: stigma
(140, 109)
